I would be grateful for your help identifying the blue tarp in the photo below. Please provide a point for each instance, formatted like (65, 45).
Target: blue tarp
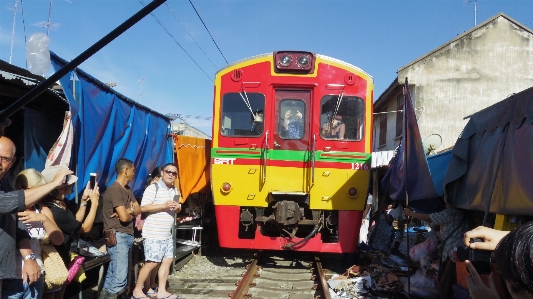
(40, 133)
(438, 164)
(109, 126)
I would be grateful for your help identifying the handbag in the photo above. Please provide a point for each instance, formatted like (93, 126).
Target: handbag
(74, 267)
(110, 237)
(55, 271)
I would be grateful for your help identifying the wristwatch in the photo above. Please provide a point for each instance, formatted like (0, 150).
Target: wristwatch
(30, 256)
(83, 204)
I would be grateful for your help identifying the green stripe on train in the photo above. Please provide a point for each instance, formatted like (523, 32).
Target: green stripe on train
(291, 155)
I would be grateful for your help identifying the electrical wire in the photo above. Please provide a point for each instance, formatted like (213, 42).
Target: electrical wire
(170, 34)
(191, 36)
(208, 31)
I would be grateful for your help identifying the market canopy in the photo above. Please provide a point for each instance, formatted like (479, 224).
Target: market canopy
(109, 126)
(194, 158)
(492, 161)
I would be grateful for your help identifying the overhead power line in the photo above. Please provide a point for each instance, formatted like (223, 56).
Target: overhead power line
(170, 34)
(208, 31)
(190, 35)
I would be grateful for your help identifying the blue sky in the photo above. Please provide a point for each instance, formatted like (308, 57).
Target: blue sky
(379, 36)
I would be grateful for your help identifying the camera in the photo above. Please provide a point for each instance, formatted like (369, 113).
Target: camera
(480, 259)
(92, 180)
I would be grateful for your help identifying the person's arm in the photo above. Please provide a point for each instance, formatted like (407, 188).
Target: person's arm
(30, 269)
(476, 287)
(124, 214)
(410, 213)
(94, 198)
(491, 238)
(83, 203)
(286, 119)
(342, 130)
(159, 207)
(367, 210)
(46, 217)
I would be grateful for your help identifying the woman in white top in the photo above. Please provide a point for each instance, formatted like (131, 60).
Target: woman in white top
(38, 220)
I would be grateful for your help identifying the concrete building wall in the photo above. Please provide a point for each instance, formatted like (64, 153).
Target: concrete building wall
(392, 141)
(474, 71)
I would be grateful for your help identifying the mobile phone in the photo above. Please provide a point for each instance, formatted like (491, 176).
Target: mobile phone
(67, 178)
(92, 180)
(177, 198)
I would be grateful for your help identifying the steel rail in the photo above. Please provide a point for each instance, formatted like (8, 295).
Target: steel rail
(322, 279)
(247, 280)
(41, 87)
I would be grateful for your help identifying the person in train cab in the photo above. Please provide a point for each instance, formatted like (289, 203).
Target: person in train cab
(257, 121)
(334, 129)
(293, 123)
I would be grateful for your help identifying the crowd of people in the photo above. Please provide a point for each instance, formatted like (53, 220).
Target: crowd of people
(512, 252)
(34, 215)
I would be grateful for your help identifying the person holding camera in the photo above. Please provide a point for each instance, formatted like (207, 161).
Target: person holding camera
(513, 258)
(453, 225)
(160, 200)
(334, 129)
(67, 222)
(293, 127)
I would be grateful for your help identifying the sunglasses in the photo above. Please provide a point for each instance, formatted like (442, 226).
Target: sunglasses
(171, 172)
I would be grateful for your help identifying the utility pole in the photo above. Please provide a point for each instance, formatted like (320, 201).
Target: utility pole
(475, 10)
(13, 33)
(141, 82)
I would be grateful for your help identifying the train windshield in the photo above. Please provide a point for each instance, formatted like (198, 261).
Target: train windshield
(342, 117)
(243, 114)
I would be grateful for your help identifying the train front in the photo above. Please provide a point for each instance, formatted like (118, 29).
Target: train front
(291, 152)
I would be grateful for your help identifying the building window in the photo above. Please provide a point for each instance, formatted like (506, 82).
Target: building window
(399, 115)
(383, 129)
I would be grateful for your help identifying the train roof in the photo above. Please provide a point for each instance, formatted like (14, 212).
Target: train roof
(317, 55)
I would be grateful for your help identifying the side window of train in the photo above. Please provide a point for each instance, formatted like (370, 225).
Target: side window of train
(242, 115)
(291, 119)
(342, 118)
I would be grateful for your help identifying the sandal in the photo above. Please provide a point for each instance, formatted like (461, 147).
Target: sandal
(170, 297)
(153, 292)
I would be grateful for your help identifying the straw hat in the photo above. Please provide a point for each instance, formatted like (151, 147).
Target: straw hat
(50, 172)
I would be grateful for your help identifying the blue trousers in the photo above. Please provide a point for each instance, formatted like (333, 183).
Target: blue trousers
(19, 289)
(117, 273)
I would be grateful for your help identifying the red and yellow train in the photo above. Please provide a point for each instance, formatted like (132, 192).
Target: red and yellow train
(290, 162)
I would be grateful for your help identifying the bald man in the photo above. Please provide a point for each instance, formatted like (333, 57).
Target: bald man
(11, 232)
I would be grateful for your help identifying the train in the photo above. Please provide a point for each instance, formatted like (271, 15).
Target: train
(291, 152)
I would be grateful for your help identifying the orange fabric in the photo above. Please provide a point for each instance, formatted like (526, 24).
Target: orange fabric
(194, 155)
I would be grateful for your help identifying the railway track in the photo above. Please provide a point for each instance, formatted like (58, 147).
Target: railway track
(263, 276)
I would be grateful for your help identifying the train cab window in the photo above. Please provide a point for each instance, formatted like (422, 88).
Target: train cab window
(242, 116)
(342, 117)
(291, 119)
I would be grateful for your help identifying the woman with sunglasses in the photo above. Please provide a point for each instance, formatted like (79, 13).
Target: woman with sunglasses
(160, 202)
(513, 257)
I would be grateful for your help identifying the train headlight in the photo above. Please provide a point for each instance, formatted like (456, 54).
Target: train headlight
(226, 187)
(294, 62)
(303, 61)
(352, 192)
(285, 60)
